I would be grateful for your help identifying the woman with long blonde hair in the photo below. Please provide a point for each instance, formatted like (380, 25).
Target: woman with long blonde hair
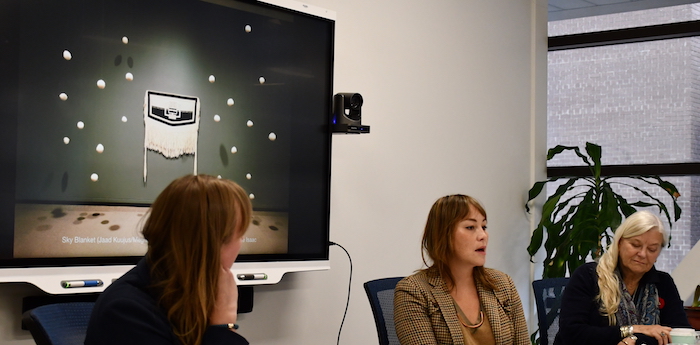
(622, 299)
(182, 291)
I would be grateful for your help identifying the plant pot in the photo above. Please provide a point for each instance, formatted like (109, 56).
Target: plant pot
(693, 316)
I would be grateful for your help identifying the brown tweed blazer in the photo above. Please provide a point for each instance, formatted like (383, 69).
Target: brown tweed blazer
(424, 311)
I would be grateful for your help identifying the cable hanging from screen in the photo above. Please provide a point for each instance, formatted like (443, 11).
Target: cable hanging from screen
(347, 302)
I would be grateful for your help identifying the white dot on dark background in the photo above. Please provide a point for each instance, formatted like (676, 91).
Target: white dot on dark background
(101, 84)
(67, 55)
(248, 176)
(229, 102)
(249, 123)
(124, 119)
(272, 136)
(94, 177)
(234, 149)
(219, 177)
(66, 140)
(217, 118)
(125, 40)
(212, 78)
(261, 80)
(100, 148)
(80, 125)
(251, 196)
(248, 28)
(129, 76)
(63, 96)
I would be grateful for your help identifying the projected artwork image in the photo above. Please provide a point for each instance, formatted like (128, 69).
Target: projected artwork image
(47, 231)
(119, 98)
(44, 230)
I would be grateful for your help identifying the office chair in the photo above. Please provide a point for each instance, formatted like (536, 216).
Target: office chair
(548, 294)
(59, 323)
(381, 298)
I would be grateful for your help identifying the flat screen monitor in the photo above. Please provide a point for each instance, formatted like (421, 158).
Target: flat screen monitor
(105, 102)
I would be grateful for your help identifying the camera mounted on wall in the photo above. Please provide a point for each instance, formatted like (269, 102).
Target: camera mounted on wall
(347, 113)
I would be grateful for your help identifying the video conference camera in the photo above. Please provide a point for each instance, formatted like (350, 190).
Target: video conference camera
(347, 113)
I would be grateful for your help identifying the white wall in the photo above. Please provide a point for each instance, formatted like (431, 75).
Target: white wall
(455, 94)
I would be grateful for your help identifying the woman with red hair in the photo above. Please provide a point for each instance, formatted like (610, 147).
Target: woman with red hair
(183, 290)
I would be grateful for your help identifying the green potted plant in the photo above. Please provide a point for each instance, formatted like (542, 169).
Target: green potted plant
(693, 311)
(583, 211)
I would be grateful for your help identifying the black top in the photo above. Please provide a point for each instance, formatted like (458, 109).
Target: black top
(581, 322)
(127, 313)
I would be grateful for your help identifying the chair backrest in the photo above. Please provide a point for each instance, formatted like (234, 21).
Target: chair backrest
(59, 323)
(548, 294)
(381, 298)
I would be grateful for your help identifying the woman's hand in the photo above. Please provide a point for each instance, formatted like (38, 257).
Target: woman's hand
(226, 307)
(628, 341)
(662, 334)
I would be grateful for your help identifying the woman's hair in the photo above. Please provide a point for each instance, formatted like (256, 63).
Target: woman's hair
(443, 218)
(636, 224)
(186, 227)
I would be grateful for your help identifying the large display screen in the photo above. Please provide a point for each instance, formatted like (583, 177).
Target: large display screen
(105, 102)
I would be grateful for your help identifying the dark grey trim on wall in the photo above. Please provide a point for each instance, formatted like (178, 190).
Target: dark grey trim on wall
(672, 169)
(620, 36)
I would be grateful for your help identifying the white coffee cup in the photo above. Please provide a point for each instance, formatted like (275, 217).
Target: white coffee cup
(683, 336)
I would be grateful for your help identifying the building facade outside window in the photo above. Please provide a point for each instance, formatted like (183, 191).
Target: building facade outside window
(639, 101)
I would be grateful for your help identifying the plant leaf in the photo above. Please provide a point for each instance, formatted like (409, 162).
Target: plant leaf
(659, 203)
(537, 189)
(595, 152)
(535, 241)
(560, 148)
(610, 216)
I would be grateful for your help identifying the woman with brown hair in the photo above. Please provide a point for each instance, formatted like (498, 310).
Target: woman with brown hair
(182, 291)
(456, 300)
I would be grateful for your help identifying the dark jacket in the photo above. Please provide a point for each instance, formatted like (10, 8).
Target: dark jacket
(127, 313)
(581, 322)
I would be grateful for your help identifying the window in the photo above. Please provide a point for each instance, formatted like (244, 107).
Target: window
(635, 91)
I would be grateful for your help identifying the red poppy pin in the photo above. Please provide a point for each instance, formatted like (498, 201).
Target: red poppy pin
(662, 303)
